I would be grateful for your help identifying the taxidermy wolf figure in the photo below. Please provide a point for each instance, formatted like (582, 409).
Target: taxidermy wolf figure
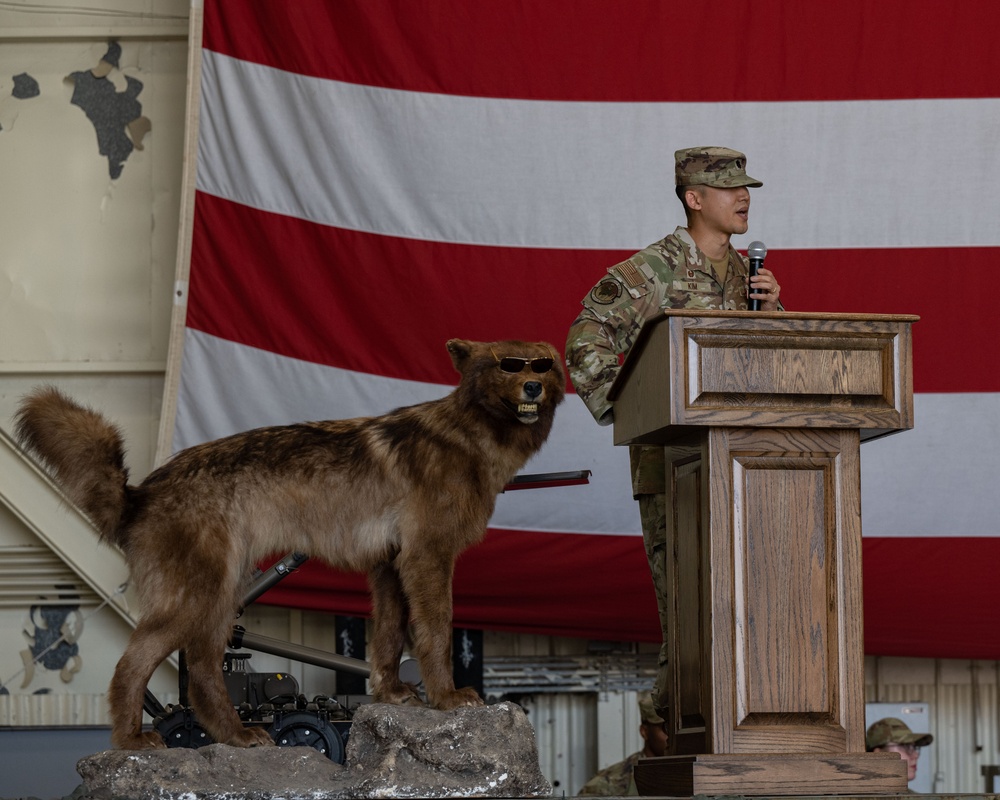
(397, 496)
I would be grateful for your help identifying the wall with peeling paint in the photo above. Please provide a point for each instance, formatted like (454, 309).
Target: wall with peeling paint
(92, 110)
(87, 261)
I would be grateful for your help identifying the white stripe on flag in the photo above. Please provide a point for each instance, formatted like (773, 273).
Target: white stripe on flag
(938, 479)
(855, 174)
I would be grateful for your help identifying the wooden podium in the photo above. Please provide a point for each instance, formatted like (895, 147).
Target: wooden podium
(761, 416)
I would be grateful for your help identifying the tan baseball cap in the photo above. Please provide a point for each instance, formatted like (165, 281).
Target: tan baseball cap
(712, 166)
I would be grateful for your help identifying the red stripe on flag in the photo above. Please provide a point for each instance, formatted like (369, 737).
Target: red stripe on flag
(642, 50)
(512, 582)
(317, 293)
(931, 597)
(312, 292)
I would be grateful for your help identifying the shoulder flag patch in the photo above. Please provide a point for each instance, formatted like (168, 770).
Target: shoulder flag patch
(629, 272)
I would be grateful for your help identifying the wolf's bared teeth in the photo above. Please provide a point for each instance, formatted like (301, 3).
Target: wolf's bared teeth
(527, 408)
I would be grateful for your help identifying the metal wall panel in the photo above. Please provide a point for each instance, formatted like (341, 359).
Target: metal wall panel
(45, 710)
(565, 730)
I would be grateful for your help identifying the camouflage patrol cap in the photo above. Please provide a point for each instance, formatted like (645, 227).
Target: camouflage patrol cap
(894, 731)
(712, 166)
(647, 713)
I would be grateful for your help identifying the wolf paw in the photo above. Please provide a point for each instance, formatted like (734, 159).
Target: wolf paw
(412, 700)
(403, 694)
(251, 737)
(147, 740)
(458, 698)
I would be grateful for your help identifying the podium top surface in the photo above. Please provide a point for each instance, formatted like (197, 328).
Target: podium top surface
(692, 367)
(765, 318)
(831, 315)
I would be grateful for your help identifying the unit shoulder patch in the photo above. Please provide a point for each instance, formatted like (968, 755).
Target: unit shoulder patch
(606, 292)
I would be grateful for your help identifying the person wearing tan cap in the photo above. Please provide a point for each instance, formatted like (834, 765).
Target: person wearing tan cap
(696, 266)
(892, 735)
(616, 780)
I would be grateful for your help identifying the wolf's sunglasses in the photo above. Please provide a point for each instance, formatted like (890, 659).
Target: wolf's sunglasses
(513, 364)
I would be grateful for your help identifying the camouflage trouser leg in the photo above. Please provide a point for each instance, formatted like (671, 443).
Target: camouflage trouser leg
(653, 515)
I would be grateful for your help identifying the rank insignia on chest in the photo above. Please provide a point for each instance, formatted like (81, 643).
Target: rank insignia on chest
(607, 291)
(690, 274)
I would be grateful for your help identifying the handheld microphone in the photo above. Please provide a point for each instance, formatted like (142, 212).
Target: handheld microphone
(756, 252)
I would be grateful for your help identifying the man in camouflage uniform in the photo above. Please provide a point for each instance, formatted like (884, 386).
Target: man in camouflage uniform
(616, 780)
(694, 267)
(892, 735)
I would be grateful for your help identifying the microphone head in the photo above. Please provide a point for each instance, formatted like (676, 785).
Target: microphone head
(757, 250)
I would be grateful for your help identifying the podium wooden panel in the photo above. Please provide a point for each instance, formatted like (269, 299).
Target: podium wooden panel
(761, 417)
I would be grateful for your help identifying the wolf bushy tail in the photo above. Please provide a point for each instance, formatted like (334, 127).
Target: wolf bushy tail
(84, 452)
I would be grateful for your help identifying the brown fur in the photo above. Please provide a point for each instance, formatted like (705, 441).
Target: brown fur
(397, 496)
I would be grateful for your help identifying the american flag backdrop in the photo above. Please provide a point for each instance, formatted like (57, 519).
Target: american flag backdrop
(374, 178)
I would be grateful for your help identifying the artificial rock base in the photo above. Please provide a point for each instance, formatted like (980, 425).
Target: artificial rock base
(392, 751)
